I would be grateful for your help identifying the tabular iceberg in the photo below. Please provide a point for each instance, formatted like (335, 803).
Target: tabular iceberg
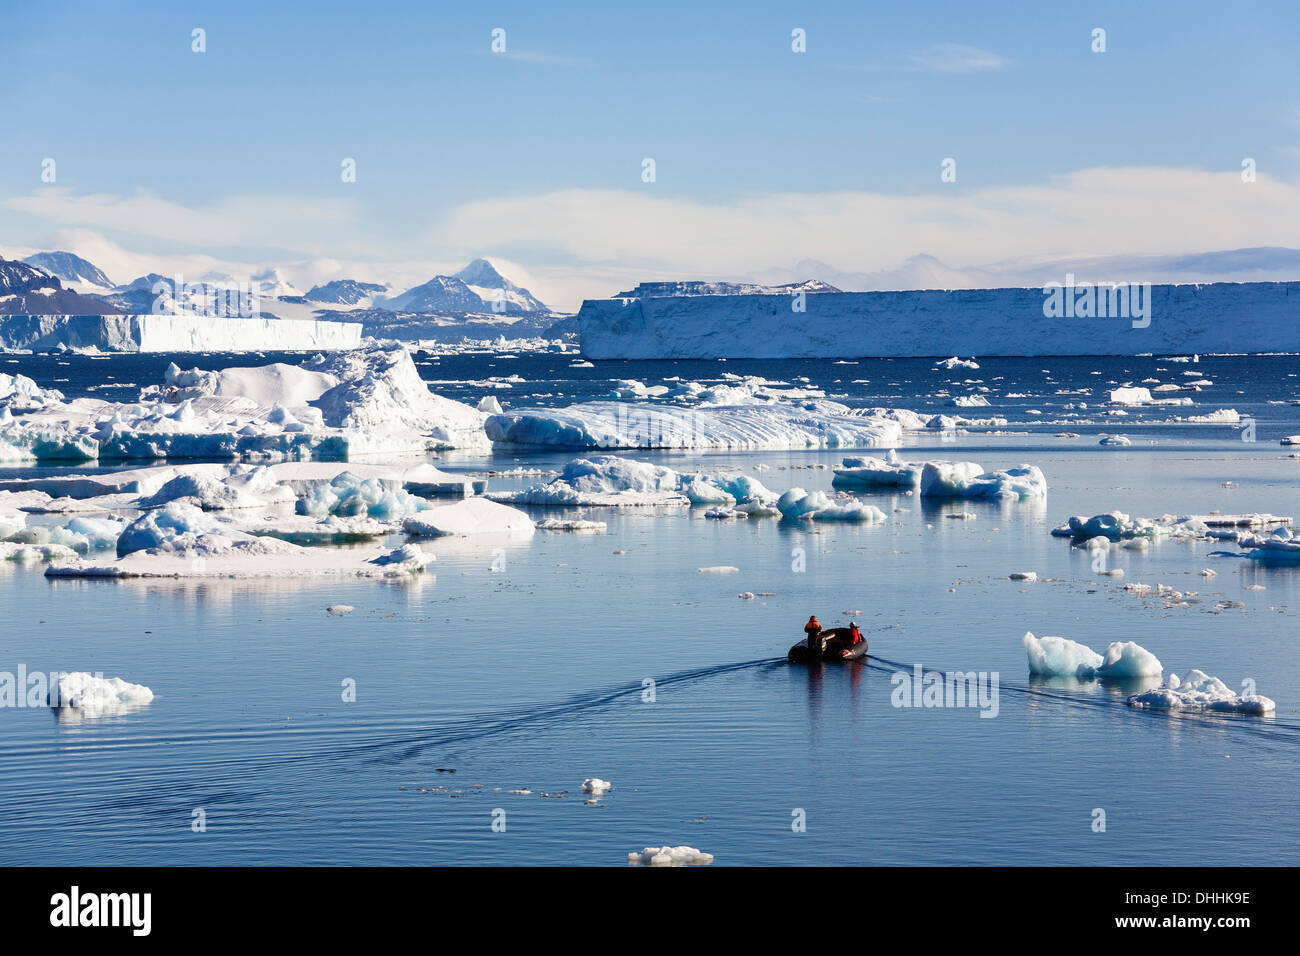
(810, 424)
(1216, 317)
(174, 333)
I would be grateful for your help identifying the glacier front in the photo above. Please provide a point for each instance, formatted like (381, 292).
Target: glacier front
(1217, 317)
(174, 333)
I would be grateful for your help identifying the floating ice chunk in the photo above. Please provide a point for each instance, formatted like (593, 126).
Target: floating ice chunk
(1199, 691)
(580, 526)
(339, 609)
(1220, 416)
(955, 362)
(596, 786)
(95, 695)
(243, 487)
(1280, 547)
(1023, 575)
(175, 522)
(969, 401)
(605, 480)
(1114, 440)
(1118, 526)
(1060, 657)
(818, 506)
(964, 480)
(809, 423)
(1125, 659)
(32, 553)
(348, 495)
(469, 517)
(409, 558)
(1142, 396)
(719, 569)
(669, 856)
(890, 471)
(490, 405)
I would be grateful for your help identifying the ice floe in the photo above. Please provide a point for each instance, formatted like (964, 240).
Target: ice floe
(802, 505)
(577, 525)
(94, 695)
(888, 472)
(1061, 657)
(1280, 547)
(1198, 691)
(965, 479)
(473, 516)
(811, 423)
(669, 856)
(612, 481)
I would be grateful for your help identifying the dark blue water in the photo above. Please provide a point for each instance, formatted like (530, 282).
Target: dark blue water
(533, 677)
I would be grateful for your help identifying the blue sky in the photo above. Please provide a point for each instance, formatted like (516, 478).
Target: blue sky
(535, 156)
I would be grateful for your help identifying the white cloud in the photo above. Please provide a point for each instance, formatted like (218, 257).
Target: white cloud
(228, 222)
(957, 58)
(584, 243)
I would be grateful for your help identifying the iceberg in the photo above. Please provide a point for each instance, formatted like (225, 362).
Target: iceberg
(608, 480)
(1280, 547)
(470, 517)
(95, 695)
(965, 479)
(936, 323)
(801, 505)
(1062, 657)
(669, 856)
(813, 423)
(1199, 691)
(363, 402)
(173, 333)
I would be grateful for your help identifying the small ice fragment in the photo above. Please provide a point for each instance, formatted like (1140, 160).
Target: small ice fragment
(669, 856)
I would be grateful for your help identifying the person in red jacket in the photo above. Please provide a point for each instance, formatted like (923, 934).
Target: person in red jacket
(854, 632)
(814, 629)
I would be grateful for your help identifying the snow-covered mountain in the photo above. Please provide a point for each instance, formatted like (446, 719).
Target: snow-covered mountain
(479, 287)
(346, 292)
(71, 268)
(491, 286)
(1256, 264)
(28, 290)
(272, 284)
(650, 290)
(439, 294)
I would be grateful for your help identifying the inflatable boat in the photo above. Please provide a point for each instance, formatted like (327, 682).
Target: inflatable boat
(836, 647)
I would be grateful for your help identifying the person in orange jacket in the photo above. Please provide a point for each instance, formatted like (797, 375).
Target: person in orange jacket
(814, 629)
(854, 632)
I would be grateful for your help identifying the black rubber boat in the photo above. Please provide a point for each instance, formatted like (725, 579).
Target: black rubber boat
(835, 647)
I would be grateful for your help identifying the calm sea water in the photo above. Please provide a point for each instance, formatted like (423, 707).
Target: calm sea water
(535, 677)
